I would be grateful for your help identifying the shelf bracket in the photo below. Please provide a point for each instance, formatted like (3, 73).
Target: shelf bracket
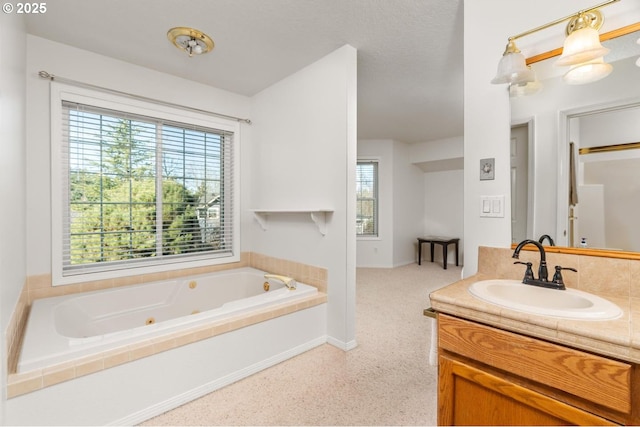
(318, 216)
(262, 219)
(320, 219)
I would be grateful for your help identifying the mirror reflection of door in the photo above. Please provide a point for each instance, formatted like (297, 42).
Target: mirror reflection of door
(519, 181)
(608, 177)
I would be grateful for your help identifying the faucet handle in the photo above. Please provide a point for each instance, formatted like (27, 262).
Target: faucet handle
(557, 277)
(528, 274)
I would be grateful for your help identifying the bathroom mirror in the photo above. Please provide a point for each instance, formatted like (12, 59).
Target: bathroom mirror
(600, 114)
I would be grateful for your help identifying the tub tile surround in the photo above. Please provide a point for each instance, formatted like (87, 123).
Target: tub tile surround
(15, 328)
(40, 287)
(617, 280)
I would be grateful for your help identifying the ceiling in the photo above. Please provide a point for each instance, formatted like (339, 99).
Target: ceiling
(410, 52)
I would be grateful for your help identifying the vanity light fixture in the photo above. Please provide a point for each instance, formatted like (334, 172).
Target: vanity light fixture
(524, 89)
(583, 41)
(588, 72)
(190, 40)
(582, 52)
(512, 67)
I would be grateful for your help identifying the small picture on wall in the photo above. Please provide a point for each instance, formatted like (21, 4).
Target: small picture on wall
(487, 167)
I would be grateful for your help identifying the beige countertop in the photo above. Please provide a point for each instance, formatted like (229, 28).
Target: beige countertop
(618, 338)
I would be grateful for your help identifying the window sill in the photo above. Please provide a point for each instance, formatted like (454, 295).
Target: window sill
(58, 279)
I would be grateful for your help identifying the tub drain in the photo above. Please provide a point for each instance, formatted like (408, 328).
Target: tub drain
(150, 321)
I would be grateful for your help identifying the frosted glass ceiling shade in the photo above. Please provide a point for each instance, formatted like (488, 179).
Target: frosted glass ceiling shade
(588, 72)
(581, 46)
(512, 68)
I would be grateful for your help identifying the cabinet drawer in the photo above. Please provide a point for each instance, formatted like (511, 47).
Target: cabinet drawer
(595, 378)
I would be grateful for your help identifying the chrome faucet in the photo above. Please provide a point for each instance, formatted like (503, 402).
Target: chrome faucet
(546, 236)
(289, 282)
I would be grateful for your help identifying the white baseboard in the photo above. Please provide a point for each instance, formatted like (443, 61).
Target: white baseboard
(403, 263)
(342, 345)
(181, 399)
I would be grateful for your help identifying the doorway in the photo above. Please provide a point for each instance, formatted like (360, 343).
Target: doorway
(606, 177)
(519, 182)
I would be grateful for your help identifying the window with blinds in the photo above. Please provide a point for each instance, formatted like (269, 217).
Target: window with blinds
(142, 191)
(367, 198)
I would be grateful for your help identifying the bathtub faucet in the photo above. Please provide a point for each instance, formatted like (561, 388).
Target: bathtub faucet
(289, 282)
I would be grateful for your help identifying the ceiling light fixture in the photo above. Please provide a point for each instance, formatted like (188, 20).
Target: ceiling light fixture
(582, 51)
(190, 40)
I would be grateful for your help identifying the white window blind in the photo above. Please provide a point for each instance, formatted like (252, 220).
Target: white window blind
(367, 198)
(142, 191)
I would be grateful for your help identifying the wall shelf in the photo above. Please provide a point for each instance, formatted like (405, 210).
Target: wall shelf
(318, 216)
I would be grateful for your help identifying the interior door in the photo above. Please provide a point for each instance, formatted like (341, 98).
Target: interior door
(519, 182)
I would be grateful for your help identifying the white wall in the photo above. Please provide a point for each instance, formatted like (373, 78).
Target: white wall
(444, 210)
(408, 205)
(442, 162)
(437, 150)
(614, 127)
(303, 156)
(400, 205)
(12, 178)
(486, 106)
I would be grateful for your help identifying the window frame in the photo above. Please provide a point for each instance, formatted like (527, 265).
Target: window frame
(376, 199)
(121, 103)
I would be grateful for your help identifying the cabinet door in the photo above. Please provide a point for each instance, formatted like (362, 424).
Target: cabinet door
(470, 396)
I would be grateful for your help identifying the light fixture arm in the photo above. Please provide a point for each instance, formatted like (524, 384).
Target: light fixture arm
(560, 20)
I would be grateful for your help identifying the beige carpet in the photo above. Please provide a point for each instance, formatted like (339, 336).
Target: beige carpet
(386, 380)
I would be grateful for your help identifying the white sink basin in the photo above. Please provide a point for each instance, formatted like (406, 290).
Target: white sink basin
(570, 303)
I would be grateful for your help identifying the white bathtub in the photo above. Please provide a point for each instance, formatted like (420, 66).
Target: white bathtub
(71, 326)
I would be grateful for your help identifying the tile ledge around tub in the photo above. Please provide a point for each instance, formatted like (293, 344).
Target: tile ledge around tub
(30, 381)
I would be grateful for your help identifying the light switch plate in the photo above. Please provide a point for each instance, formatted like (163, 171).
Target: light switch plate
(492, 206)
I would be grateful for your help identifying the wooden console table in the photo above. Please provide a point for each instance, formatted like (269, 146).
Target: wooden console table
(435, 240)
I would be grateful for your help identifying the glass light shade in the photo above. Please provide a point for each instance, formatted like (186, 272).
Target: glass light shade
(588, 72)
(512, 68)
(524, 89)
(581, 46)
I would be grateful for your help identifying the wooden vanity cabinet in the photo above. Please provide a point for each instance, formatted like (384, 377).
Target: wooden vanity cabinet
(488, 376)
